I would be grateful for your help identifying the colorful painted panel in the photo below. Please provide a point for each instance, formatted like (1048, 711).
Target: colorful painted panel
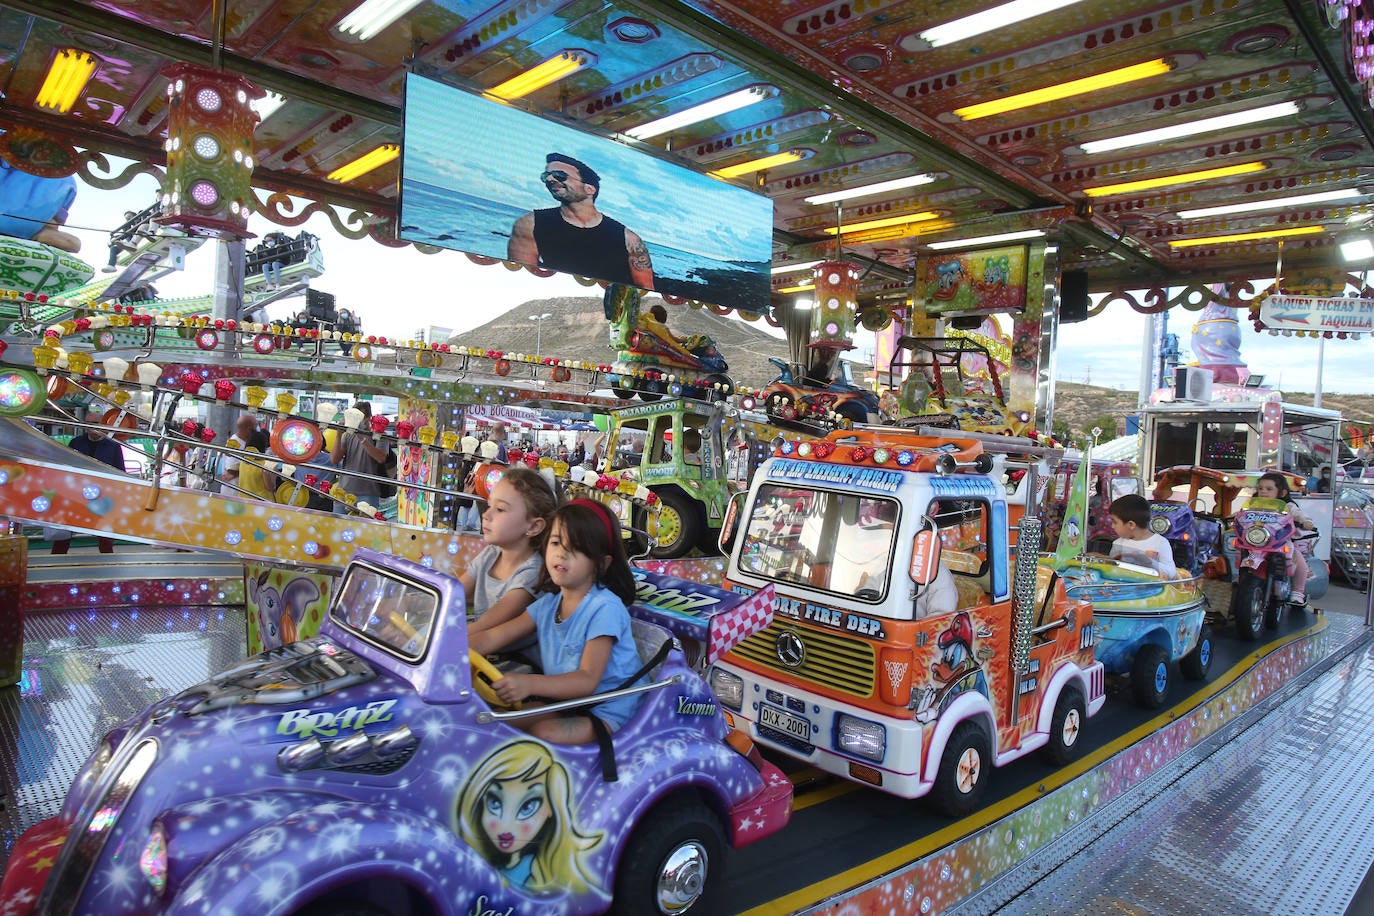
(988, 281)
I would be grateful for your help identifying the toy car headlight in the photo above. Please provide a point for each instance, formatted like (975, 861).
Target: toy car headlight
(860, 737)
(1257, 536)
(1159, 524)
(728, 688)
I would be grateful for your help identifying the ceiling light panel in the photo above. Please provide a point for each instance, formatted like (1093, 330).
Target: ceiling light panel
(1192, 128)
(1273, 203)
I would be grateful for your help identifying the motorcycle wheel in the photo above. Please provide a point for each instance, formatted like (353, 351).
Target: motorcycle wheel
(1276, 593)
(1251, 595)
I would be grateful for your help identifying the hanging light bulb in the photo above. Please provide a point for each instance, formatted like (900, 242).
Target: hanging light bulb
(148, 374)
(115, 368)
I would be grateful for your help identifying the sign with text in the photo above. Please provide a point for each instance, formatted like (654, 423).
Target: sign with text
(1316, 313)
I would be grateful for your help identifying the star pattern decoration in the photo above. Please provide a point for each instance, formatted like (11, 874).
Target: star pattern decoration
(261, 834)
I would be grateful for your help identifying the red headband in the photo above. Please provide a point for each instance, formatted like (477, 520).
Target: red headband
(600, 512)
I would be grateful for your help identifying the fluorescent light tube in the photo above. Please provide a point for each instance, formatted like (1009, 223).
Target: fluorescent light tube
(1071, 89)
(1176, 131)
(365, 163)
(758, 165)
(1164, 181)
(1358, 249)
(67, 77)
(996, 18)
(885, 221)
(793, 268)
(1275, 203)
(978, 240)
(537, 77)
(703, 112)
(1248, 236)
(910, 181)
(372, 16)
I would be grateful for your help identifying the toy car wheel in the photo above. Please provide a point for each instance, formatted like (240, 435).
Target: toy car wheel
(1065, 728)
(650, 390)
(673, 864)
(1197, 663)
(679, 526)
(963, 771)
(727, 385)
(1150, 676)
(1251, 596)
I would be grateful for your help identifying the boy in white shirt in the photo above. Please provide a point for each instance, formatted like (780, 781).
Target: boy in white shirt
(1135, 542)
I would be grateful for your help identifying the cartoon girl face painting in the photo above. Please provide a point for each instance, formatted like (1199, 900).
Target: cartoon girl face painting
(516, 810)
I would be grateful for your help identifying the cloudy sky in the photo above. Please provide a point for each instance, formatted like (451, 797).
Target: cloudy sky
(399, 291)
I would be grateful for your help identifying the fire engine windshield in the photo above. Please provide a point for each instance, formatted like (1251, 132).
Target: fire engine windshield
(836, 542)
(393, 613)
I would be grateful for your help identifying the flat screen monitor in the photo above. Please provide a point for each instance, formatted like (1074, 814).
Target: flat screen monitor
(472, 168)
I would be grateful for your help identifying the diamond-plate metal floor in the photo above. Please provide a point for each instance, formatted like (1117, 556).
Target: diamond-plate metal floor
(84, 673)
(1280, 819)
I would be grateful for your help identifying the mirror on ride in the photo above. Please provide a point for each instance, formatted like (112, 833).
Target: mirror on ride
(730, 526)
(925, 556)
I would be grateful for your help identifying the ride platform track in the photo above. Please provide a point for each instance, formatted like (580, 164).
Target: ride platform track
(849, 848)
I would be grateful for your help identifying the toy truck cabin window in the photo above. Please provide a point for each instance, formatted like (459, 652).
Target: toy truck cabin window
(829, 541)
(392, 613)
(963, 528)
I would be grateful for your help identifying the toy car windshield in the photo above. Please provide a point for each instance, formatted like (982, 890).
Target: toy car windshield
(393, 613)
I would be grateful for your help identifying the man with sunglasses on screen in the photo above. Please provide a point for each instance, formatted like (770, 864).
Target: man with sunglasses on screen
(575, 237)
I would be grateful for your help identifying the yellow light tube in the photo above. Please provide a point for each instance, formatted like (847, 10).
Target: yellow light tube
(885, 221)
(66, 79)
(797, 289)
(1247, 236)
(757, 165)
(1106, 80)
(1164, 181)
(365, 163)
(541, 75)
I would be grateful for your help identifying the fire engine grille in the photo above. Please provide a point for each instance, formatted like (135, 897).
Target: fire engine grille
(840, 662)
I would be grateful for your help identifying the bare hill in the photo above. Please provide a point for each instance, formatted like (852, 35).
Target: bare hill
(1079, 405)
(577, 329)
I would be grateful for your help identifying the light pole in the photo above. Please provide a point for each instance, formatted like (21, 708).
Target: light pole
(538, 331)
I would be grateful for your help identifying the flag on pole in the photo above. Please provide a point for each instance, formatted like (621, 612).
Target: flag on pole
(1073, 534)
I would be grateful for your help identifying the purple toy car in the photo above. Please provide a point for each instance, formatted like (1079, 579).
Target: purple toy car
(359, 771)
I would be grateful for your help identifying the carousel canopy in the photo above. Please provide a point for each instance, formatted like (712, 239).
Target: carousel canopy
(1152, 142)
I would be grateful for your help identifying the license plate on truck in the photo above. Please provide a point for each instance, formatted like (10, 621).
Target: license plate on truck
(795, 726)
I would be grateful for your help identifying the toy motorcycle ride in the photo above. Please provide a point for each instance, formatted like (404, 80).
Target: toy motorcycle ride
(1193, 536)
(1264, 541)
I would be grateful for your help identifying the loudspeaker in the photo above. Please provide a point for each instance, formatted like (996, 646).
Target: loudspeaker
(1192, 383)
(1073, 296)
(320, 305)
(966, 322)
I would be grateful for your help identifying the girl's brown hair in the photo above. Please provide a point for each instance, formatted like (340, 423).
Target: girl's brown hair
(592, 529)
(1285, 491)
(537, 494)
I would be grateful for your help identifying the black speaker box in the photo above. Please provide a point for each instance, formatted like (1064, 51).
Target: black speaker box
(1073, 296)
(319, 305)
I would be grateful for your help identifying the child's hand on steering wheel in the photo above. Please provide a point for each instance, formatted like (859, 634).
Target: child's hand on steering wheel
(512, 688)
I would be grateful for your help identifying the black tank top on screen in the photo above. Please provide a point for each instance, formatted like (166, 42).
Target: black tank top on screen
(597, 252)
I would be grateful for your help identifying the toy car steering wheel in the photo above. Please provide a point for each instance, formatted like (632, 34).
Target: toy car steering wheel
(484, 675)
